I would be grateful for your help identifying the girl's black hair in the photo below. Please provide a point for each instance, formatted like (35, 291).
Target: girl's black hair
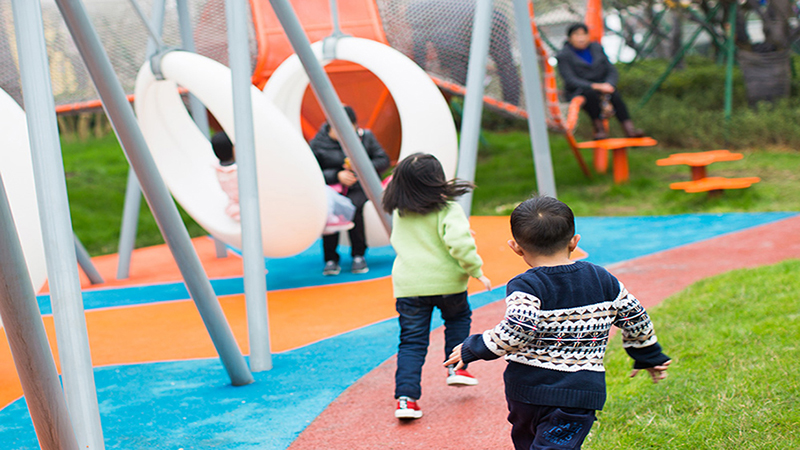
(419, 186)
(575, 27)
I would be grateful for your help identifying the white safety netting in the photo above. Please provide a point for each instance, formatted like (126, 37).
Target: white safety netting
(434, 33)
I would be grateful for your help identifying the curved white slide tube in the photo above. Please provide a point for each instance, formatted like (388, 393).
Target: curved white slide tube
(425, 119)
(16, 168)
(291, 187)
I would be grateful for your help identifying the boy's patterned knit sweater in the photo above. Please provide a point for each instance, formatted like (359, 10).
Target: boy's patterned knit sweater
(555, 332)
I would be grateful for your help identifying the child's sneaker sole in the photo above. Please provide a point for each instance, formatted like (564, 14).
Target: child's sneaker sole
(407, 414)
(459, 380)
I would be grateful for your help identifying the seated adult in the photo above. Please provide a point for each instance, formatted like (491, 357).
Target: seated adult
(586, 71)
(337, 171)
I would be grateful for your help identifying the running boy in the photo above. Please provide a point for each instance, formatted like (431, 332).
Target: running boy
(555, 331)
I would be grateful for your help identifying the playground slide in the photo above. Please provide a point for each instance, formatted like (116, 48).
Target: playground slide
(16, 169)
(291, 185)
(425, 119)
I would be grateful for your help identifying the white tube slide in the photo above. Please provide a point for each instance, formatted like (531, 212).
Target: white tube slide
(291, 187)
(425, 119)
(16, 168)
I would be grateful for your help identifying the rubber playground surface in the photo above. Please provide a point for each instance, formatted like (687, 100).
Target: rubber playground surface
(161, 385)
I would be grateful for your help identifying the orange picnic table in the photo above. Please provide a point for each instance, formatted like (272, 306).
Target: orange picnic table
(620, 155)
(699, 161)
(700, 182)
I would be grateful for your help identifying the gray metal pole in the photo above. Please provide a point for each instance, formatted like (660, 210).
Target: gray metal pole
(153, 28)
(187, 40)
(255, 280)
(195, 106)
(155, 191)
(332, 106)
(28, 341)
(133, 197)
(534, 102)
(473, 100)
(51, 191)
(85, 262)
(130, 223)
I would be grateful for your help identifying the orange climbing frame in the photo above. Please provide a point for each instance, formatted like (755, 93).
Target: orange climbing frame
(355, 85)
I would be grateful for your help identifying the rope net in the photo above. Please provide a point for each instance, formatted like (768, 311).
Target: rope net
(434, 33)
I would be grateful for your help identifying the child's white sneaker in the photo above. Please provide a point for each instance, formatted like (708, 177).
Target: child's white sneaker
(460, 377)
(407, 408)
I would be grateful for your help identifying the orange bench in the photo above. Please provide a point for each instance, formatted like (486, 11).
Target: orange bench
(698, 163)
(714, 184)
(620, 155)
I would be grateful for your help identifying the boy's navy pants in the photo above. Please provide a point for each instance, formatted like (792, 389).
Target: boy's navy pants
(537, 427)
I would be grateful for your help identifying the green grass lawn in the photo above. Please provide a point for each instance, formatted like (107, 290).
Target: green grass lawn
(505, 176)
(97, 173)
(734, 382)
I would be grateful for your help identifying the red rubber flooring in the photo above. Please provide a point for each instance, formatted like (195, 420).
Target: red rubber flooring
(474, 418)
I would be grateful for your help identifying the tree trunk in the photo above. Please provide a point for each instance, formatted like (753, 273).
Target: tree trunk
(776, 27)
(767, 76)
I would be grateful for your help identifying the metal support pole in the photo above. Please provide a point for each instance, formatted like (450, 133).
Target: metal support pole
(85, 262)
(28, 341)
(51, 191)
(130, 223)
(731, 56)
(187, 40)
(534, 102)
(332, 106)
(335, 18)
(220, 248)
(196, 107)
(155, 191)
(255, 281)
(153, 28)
(473, 100)
(133, 198)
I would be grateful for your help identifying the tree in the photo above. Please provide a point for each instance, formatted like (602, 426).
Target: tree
(766, 66)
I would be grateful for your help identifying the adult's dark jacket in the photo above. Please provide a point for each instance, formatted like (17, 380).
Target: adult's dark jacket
(578, 75)
(330, 154)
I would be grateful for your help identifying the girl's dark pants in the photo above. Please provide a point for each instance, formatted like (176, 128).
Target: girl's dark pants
(537, 427)
(357, 235)
(415, 329)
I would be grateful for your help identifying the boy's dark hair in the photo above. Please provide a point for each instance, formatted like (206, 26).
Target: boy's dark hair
(351, 114)
(222, 146)
(575, 27)
(419, 186)
(542, 225)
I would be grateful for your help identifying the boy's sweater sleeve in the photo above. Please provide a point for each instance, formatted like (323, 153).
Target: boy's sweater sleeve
(638, 336)
(458, 239)
(516, 330)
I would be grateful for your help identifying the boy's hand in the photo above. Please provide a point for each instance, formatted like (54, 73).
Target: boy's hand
(486, 282)
(657, 373)
(455, 358)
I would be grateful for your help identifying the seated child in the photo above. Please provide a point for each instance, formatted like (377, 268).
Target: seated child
(558, 317)
(340, 208)
(227, 172)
